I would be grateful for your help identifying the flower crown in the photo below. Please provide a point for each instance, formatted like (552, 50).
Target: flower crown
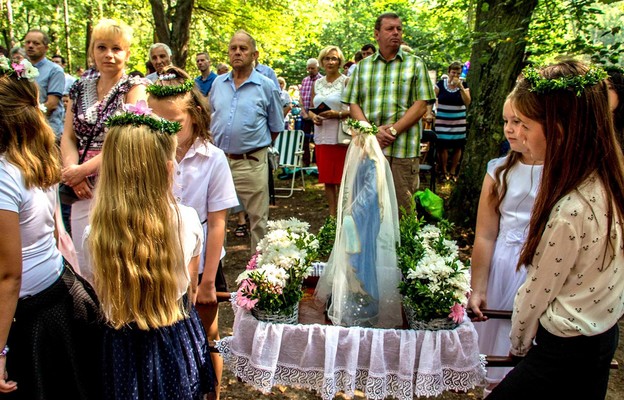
(576, 83)
(141, 114)
(23, 69)
(362, 127)
(166, 91)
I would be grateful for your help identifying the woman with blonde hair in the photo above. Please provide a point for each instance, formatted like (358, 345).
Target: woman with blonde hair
(93, 99)
(48, 315)
(144, 252)
(327, 117)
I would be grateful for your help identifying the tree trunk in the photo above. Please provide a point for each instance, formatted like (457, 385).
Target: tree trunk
(68, 55)
(498, 51)
(176, 37)
(181, 27)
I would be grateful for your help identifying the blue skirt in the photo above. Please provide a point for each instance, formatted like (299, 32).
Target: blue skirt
(169, 363)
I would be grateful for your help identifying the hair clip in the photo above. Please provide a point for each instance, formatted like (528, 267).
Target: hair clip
(23, 69)
(577, 83)
(141, 114)
(173, 90)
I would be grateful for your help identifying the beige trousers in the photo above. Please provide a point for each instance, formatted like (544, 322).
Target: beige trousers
(405, 174)
(251, 179)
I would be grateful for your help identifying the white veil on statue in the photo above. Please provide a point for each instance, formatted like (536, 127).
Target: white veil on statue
(360, 280)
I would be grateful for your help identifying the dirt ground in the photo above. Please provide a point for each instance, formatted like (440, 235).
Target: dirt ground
(310, 206)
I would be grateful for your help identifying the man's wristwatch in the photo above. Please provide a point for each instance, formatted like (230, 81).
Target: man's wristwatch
(392, 131)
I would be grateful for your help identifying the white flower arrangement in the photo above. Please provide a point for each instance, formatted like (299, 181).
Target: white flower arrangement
(435, 281)
(273, 278)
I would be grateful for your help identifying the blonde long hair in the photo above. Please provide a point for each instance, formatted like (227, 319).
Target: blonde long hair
(26, 139)
(134, 242)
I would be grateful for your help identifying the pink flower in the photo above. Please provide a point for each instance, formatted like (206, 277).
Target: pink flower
(457, 313)
(140, 108)
(253, 264)
(19, 69)
(244, 301)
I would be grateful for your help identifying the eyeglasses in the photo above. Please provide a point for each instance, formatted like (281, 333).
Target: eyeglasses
(334, 59)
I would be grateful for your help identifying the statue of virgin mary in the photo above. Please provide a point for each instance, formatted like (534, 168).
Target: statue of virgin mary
(359, 283)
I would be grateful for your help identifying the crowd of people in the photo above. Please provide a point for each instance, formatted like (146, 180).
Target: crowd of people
(156, 163)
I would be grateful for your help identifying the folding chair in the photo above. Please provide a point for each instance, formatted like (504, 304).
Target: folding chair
(289, 144)
(428, 156)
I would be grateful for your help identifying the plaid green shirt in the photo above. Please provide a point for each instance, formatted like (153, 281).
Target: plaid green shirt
(385, 90)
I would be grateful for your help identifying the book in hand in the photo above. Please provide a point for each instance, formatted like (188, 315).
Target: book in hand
(321, 107)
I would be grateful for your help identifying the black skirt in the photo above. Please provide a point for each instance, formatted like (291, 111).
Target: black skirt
(56, 342)
(168, 363)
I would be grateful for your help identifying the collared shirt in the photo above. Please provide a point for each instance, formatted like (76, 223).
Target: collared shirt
(153, 77)
(305, 93)
(269, 73)
(385, 90)
(244, 117)
(51, 81)
(69, 81)
(205, 84)
(203, 180)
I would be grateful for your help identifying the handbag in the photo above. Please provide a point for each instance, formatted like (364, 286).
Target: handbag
(344, 134)
(66, 192)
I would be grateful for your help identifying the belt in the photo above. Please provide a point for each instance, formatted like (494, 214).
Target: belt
(245, 156)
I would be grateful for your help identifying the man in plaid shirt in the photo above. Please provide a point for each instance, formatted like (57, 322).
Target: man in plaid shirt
(391, 89)
(305, 96)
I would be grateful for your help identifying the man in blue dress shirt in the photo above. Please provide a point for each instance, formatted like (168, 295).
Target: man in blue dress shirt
(51, 79)
(204, 81)
(247, 116)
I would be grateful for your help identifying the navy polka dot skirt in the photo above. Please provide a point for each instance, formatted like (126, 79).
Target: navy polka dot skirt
(169, 363)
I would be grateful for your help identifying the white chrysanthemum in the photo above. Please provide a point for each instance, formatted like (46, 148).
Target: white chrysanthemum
(274, 275)
(295, 225)
(433, 286)
(452, 248)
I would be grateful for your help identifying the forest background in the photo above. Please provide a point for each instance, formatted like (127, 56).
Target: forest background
(497, 36)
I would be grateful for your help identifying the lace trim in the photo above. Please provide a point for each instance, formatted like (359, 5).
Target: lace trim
(324, 88)
(374, 387)
(449, 89)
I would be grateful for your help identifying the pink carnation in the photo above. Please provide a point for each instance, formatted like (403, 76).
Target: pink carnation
(457, 313)
(19, 69)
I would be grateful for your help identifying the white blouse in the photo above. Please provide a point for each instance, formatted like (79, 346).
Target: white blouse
(575, 282)
(330, 94)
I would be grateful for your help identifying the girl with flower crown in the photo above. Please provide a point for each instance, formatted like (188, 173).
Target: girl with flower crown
(202, 180)
(144, 250)
(507, 197)
(48, 315)
(564, 324)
